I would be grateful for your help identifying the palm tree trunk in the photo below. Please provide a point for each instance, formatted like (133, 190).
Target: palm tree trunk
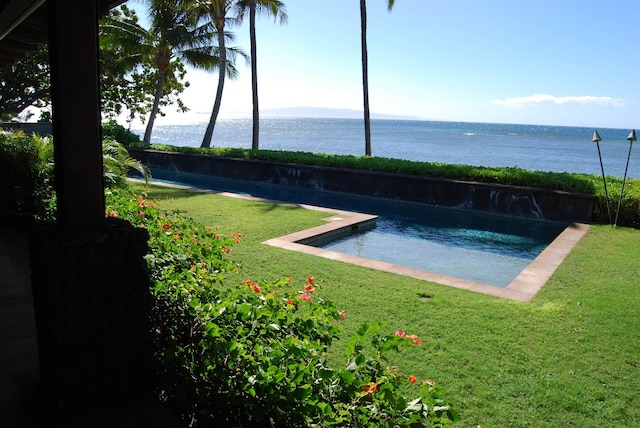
(255, 144)
(208, 135)
(156, 106)
(365, 78)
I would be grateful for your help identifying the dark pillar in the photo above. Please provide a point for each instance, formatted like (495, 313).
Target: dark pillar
(73, 50)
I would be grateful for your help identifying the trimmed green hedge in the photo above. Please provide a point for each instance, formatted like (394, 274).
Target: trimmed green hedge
(512, 176)
(563, 181)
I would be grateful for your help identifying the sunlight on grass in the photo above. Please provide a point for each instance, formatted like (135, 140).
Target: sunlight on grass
(569, 357)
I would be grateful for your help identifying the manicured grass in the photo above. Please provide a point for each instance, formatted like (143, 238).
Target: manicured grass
(571, 357)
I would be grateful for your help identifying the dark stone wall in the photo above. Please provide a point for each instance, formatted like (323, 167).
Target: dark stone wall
(40, 128)
(92, 305)
(508, 200)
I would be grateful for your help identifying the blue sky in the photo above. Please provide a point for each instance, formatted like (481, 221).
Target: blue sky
(551, 62)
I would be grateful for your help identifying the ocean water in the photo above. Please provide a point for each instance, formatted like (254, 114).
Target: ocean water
(532, 147)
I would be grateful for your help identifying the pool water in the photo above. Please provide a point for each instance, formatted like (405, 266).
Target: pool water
(491, 249)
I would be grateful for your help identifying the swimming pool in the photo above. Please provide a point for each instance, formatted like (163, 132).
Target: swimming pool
(485, 248)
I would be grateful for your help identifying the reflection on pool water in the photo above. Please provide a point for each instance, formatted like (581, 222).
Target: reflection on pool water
(481, 247)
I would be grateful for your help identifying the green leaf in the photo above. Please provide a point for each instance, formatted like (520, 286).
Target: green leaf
(213, 330)
(415, 405)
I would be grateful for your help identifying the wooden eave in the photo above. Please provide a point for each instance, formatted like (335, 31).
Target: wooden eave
(23, 27)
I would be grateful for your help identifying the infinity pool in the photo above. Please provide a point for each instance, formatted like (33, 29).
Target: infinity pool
(480, 247)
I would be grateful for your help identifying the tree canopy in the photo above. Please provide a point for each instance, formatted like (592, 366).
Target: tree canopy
(24, 84)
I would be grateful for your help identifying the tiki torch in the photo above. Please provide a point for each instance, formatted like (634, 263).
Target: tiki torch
(596, 139)
(631, 138)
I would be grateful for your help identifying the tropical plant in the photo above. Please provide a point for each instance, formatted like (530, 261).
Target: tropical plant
(219, 13)
(116, 164)
(276, 9)
(365, 72)
(26, 176)
(27, 173)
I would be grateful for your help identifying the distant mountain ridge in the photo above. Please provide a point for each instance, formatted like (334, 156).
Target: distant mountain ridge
(332, 113)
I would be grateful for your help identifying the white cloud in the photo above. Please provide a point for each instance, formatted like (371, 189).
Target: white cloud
(543, 98)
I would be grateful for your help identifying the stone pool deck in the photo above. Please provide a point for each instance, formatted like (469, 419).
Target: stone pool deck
(523, 288)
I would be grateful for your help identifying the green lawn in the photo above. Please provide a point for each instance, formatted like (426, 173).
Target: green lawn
(571, 357)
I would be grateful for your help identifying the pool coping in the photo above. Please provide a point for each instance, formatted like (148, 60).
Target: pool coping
(523, 288)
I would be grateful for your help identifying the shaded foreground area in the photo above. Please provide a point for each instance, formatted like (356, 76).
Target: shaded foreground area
(569, 357)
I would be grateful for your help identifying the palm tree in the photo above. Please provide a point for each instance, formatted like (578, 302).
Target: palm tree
(365, 73)
(276, 9)
(174, 37)
(219, 14)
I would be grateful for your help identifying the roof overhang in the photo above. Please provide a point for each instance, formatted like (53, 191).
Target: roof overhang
(23, 27)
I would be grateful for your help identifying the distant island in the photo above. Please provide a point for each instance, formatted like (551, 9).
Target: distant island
(332, 113)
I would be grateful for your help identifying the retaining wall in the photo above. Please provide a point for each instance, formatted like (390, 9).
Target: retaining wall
(508, 200)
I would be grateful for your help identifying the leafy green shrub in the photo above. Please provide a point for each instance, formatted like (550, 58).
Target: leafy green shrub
(26, 176)
(112, 130)
(629, 214)
(254, 354)
(27, 173)
(510, 176)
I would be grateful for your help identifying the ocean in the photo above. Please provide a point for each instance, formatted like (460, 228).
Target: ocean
(532, 147)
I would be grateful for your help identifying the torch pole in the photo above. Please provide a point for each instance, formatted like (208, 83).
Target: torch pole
(631, 138)
(596, 139)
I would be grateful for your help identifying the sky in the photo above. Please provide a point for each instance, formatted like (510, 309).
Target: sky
(545, 62)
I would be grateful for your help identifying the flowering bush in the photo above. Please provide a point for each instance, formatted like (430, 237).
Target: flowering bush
(254, 353)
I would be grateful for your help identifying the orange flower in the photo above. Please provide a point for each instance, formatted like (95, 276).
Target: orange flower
(372, 387)
(412, 379)
(414, 339)
(142, 203)
(141, 213)
(255, 287)
(246, 281)
(309, 288)
(113, 214)
(310, 279)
